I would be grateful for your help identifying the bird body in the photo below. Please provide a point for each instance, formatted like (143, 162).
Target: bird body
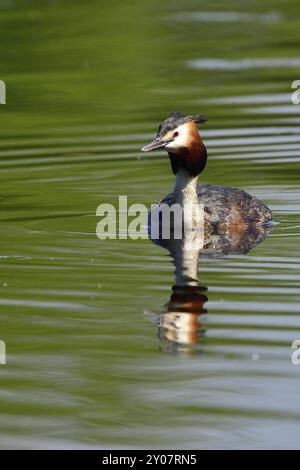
(223, 206)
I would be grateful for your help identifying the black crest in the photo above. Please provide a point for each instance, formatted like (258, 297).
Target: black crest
(175, 119)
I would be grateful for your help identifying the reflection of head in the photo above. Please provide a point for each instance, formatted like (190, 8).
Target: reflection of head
(179, 325)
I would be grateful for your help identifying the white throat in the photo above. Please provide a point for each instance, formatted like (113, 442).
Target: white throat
(185, 194)
(185, 188)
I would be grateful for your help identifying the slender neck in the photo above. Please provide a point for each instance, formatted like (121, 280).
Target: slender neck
(185, 188)
(185, 194)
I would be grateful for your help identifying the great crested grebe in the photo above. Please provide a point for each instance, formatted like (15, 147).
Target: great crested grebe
(223, 207)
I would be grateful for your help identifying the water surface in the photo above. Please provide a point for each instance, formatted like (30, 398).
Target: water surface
(88, 84)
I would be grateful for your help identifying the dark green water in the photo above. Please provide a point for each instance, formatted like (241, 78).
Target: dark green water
(87, 85)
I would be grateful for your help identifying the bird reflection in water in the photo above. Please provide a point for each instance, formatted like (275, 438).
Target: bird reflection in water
(180, 322)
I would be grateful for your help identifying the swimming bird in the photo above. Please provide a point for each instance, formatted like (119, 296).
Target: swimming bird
(223, 206)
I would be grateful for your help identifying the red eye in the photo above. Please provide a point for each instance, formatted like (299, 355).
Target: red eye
(176, 134)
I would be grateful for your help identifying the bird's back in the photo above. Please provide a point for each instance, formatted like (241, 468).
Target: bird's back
(224, 206)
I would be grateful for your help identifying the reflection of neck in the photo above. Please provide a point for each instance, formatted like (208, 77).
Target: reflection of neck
(185, 253)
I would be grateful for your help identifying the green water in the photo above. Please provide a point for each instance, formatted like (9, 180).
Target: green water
(87, 85)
